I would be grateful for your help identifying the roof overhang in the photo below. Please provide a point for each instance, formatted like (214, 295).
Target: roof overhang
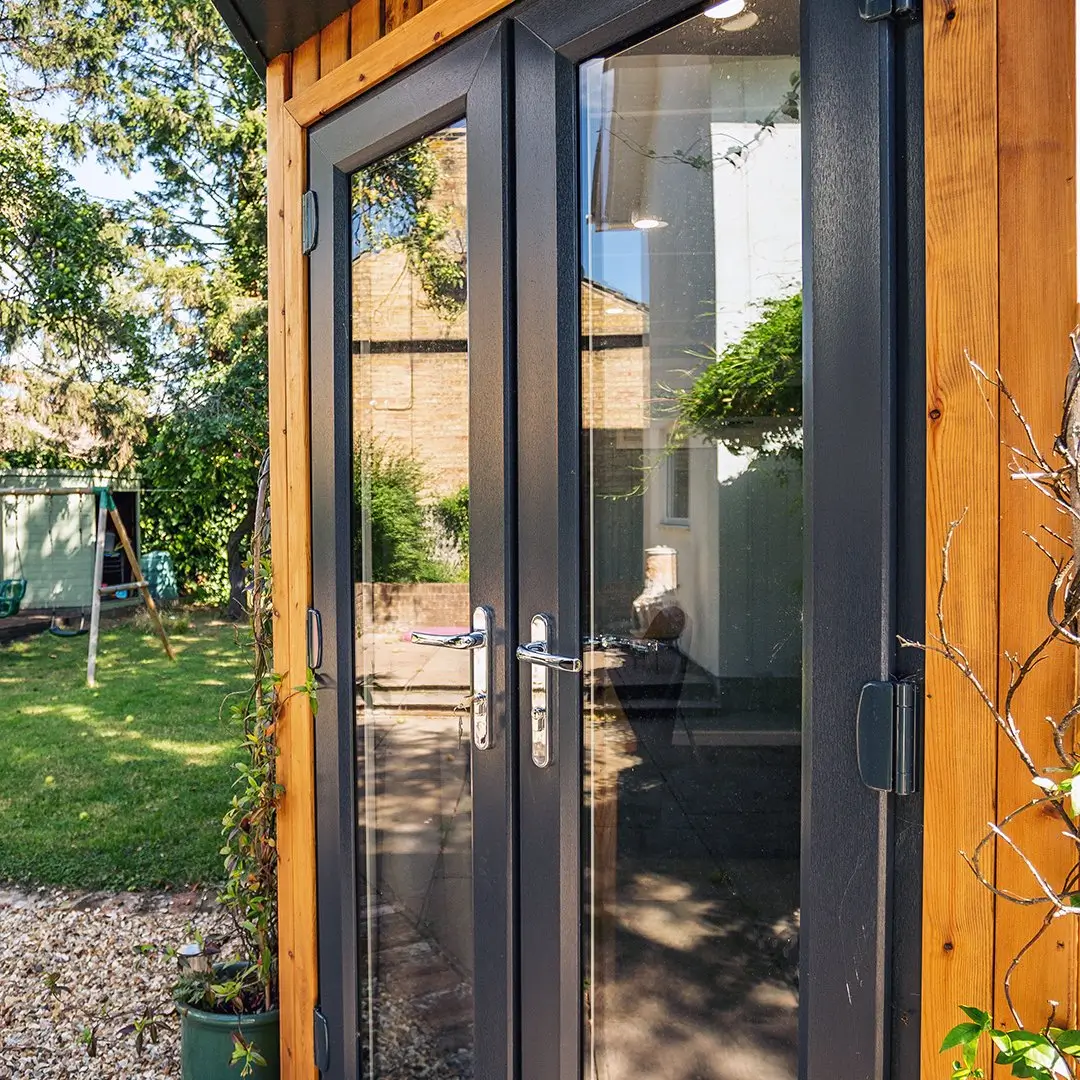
(267, 28)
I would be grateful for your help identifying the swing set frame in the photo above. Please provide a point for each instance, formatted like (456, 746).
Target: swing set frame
(106, 509)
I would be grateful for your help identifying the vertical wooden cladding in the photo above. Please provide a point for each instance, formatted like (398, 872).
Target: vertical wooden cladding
(334, 43)
(305, 65)
(278, 88)
(1000, 290)
(962, 482)
(398, 12)
(296, 769)
(1037, 223)
(366, 25)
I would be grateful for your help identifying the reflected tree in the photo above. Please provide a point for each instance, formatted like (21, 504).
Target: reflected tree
(394, 206)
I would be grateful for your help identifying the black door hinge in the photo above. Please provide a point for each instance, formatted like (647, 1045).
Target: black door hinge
(886, 732)
(872, 10)
(322, 1042)
(309, 222)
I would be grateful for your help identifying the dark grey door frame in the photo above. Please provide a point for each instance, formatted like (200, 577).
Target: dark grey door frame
(864, 498)
(469, 81)
(515, 78)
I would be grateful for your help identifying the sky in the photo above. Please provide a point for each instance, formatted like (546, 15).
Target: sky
(100, 182)
(97, 180)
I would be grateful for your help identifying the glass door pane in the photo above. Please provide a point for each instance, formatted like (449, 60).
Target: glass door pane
(410, 428)
(691, 372)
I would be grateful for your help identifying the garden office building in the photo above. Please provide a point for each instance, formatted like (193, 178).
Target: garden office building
(664, 397)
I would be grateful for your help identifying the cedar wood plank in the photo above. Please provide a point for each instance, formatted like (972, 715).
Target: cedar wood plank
(399, 12)
(291, 914)
(334, 44)
(1037, 157)
(960, 53)
(296, 814)
(305, 70)
(366, 25)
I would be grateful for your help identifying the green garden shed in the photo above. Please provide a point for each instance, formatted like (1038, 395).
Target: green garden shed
(48, 539)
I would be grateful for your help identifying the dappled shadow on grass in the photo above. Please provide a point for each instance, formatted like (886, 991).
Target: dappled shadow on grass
(123, 785)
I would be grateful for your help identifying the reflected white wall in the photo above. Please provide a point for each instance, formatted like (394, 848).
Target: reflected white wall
(734, 239)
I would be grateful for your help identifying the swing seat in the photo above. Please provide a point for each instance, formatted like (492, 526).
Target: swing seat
(12, 591)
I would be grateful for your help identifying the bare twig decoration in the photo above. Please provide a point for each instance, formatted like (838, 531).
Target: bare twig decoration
(1050, 1052)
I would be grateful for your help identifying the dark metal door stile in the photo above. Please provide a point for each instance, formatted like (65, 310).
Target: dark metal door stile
(853, 391)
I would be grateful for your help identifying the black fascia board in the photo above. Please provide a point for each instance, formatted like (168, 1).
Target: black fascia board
(265, 29)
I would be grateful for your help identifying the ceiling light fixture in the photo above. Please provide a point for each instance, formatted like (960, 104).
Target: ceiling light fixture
(740, 22)
(726, 9)
(648, 222)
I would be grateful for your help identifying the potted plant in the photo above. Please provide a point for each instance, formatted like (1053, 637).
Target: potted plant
(229, 1009)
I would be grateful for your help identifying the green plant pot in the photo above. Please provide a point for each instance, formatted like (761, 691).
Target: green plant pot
(206, 1043)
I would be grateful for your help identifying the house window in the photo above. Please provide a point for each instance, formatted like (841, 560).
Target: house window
(677, 511)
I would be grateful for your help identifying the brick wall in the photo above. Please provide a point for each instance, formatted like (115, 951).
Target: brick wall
(402, 607)
(417, 399)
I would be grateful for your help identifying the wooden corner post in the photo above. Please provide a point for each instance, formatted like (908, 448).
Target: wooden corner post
(290, 519)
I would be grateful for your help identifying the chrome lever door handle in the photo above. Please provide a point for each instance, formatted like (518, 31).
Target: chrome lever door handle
(478, 642)
(603, 642)
(535, 653)
(477, 639)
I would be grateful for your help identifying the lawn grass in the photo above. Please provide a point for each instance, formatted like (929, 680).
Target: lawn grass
(122, 786)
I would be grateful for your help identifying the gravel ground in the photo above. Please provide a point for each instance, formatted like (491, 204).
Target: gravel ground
(87, 944)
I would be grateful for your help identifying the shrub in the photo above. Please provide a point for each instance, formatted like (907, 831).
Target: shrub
(452, 513)
(760, 375)
(390, 512)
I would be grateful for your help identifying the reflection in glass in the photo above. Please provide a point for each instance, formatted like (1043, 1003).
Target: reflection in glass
(692, 443)
(411, 567)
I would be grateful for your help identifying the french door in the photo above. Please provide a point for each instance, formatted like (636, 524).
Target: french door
(615, 439)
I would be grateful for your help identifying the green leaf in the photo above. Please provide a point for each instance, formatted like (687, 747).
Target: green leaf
(755, 376)
(1001, 1040)
(962, 1033)
(971, 1052)
(1067, 1041)
(1026, 1041)
(977, 1015)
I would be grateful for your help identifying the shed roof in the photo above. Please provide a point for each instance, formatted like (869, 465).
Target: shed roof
(268, 28)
